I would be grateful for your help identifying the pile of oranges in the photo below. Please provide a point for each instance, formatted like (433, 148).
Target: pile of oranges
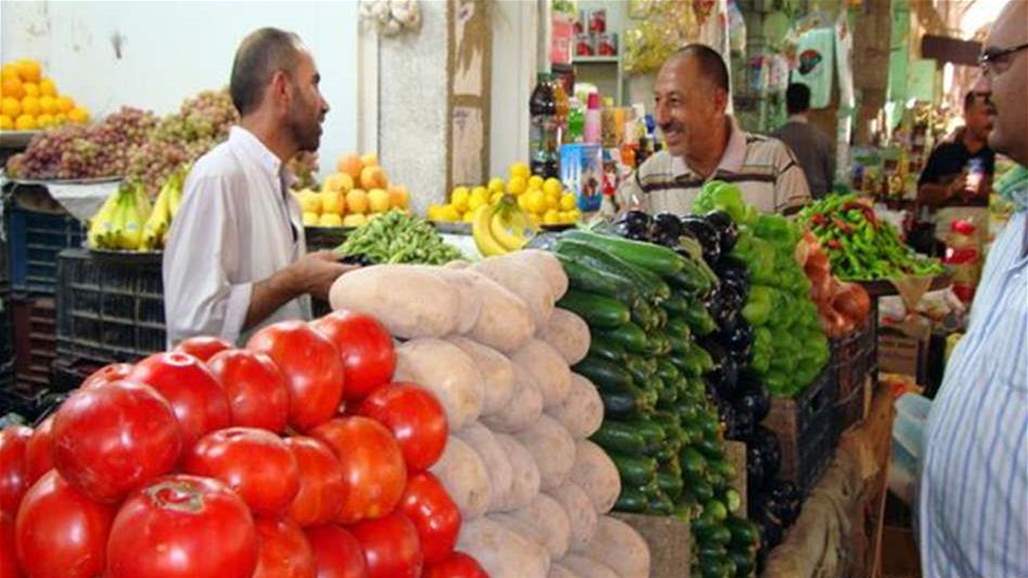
(30, 101)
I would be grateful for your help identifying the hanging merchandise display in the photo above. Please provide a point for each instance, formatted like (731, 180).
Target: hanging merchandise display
(816, 61)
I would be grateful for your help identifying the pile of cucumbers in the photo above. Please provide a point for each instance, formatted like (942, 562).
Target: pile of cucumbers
(644, 304)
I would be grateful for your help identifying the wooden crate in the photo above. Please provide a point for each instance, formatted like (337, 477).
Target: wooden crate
(735, 453)
(805, 429)
(669, 541)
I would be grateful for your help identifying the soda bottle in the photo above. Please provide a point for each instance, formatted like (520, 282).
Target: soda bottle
(542, 108)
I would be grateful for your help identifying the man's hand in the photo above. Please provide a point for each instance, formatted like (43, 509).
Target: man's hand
(315, 272)
(957, 186)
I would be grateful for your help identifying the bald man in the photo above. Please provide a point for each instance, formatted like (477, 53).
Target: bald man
(973, 495)
(704, 143)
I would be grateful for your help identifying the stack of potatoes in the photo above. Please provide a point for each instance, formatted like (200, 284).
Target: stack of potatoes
(488, 341)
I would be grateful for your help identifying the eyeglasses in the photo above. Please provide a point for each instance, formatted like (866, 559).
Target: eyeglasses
(996, 60)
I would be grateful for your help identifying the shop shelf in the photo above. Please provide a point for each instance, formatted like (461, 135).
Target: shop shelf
(109, 309)
(34, 240)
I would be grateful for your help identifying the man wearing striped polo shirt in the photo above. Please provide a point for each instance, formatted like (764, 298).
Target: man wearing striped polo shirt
(704, 143)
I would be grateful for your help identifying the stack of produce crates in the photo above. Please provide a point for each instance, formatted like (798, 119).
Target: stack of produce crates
(109, 309)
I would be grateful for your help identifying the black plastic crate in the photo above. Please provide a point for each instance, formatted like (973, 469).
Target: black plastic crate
(6, 328)
(34, 333)
(109, 308)
(324, 238)
(34, 240)
(806, 430)
(68, 374)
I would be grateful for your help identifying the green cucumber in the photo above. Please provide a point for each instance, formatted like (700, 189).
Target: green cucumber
(640, 371)
(670, 484)
(646, 283)
(632, 500)
(629, 336)
(605, 348)
(711, 449)
(703, 528)
(668, 372)
(702, 490)
(581, 277)
(603, 373)
(615, 436)
(652, 433)
(744, 563)
(620, 402)
(694, 465)
(645, 316)
(744, 532)
(655, 258)
(659, 344)
(699, 319)
(668, 394)
(635, 470)
(677, 328)
(597, 310)
(661, 504)
(676, 306)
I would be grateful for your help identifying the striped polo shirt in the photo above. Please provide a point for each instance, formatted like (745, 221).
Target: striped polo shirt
(770, 177)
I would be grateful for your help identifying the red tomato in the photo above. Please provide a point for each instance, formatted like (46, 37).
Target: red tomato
(336, 552)
(372, 464)
(256, 389)
(203, 347)
(8, 555)
(112, 439)
(14, 480)
(312, 368)
(38, 459)
(182, 527)
(321, 483)
(390, 546)
(193, 392)
(255, 463)
(415, 417)
(107, 374)
(283, 551)
(457, 565)
(437, 519)
(59, 532)
(366, 348)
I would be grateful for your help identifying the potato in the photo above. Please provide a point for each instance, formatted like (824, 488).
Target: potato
(568, 334)
(558, 571)
(469, 302)
(409, 301)
(501, 552)
(505, 323)
(619, 546)
(523, 281)
(581, 412)
(497, 373)
(497, 463)
(587, 568)
(446, 371)
(463, 473)
(595, 473)
(552, 448)
(548, 368)
(581, 515)
(550, 522)
(524, 408)
(547, 264)
(525, 483)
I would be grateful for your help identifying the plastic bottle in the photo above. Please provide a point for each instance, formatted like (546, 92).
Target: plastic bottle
(542, 107)
(593, 120)
(563, 105)
(576, 121)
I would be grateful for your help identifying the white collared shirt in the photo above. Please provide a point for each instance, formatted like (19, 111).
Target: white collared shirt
(237, 225)
(764, 169)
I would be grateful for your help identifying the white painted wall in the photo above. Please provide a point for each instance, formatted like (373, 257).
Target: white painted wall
(515, 42)
(171, 50)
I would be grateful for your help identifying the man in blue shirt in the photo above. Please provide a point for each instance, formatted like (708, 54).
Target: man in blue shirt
(973, 493)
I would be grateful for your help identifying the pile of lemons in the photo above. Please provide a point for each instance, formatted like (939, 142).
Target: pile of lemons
(545, 200)
(30, 101)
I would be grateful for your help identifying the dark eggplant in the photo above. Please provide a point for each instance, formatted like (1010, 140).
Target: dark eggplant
(667, 224)
(725, 375)
(785, 501)
(358, 259)
(765, 442)
(725, 303)
(754, 398)
(754, 467)
(725, 227)
(726, 414)
(732, 271)
(744, 423)
(708, 237)
(740, 338)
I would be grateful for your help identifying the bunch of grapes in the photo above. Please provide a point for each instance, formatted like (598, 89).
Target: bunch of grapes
(83, 152)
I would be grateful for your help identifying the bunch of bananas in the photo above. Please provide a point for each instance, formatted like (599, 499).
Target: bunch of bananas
(128, 222)
(501, 227)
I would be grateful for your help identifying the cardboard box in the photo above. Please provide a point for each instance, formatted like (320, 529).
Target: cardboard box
(581, 170)
(903, 348)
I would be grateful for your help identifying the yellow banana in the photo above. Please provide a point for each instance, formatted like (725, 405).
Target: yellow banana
(504, 228)
(157, 225)
(132, 232)
(480, 230)
(100, 224)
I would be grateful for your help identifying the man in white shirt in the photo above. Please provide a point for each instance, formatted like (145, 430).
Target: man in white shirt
(705, 143)
(236, 257)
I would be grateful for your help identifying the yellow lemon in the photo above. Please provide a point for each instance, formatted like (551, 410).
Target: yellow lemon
(535, 182)
(469, 217)
(78, 115)
(310, 202)
(45, 120)
(551, 217)
(65, 104)
(537, 202)
(29, 70)
(517, 185)
(536, 220)
(378, 199)
(575, 215)
(496, 184)
(5, 122)
(354, 220)
(460, 198)
(30, 88)
(11, 86)
(338, 183)
(30, 105)
(552, 200)
(450, 213)
(475, 202)
(310, 219)
(332, 202)
(552, 186)
(567, 202)
(520, 170)
(479, 194)
(433, 212)
(330, 220)
(60, 119)
(11, 107)
(25, 122)
(48, 105)
(523, 202)
(496, 198)
(357, 201)
(47, 87)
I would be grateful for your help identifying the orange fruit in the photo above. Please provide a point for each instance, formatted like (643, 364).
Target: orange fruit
(65, 103)
(9, 70)
(370, 160)
(30, 88)
(47, 87)
(45, 120)
(30, 105)
(373, 177)
(357, 201)
(5, 122)
(29, 70)
(10, 106)
(48, 104)
(12, 87)
(60, 119)
(350, 164)
(25, 122)
(78, 115)
(398, 197)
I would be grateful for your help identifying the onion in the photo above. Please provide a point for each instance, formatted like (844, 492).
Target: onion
(852, 301)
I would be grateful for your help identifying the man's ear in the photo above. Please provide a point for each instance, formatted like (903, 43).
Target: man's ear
(279, 87)
(721, 99)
